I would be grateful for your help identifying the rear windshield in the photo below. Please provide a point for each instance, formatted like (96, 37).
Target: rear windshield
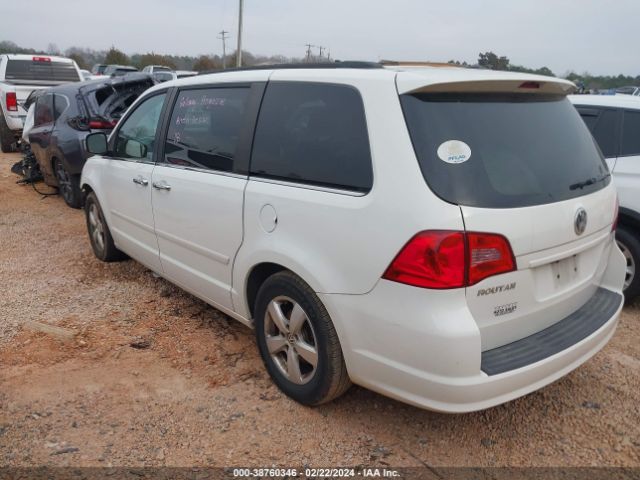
(111, 101)
(503, 151)
(41, 72)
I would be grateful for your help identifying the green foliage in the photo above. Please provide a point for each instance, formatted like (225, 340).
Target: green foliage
(79, 59)
(601, 82)
(205, 63)
(116, 57)
(491, 61)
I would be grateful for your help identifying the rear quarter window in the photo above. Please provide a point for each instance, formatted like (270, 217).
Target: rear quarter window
(631, 133)
(313, 133)
(603, 124)
(515, 150)
(44, 111)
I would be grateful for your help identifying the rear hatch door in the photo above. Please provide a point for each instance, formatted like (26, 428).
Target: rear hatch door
(107, 100)
(520, 163)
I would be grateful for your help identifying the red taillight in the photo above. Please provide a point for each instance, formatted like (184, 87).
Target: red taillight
(41, 59)
(489, 254)
(102, 124)
(432, 259)
(616, 214)
(12, 102)
(449, 259)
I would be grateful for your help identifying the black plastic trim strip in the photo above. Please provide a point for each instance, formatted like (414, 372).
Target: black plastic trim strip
(556, 338)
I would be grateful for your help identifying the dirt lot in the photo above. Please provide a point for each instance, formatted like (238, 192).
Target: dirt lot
(195, 393)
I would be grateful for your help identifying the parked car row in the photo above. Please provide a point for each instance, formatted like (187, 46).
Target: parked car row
(19, 76)
(443, 236)
(160, 73)
(65, 115)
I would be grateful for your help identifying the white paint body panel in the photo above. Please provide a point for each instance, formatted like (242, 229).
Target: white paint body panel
(128, 209)
(199, 228)
(417, 345)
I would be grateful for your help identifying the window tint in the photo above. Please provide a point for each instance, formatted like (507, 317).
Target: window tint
(503, 151)
(605, 131)
(140, 126)
(41, 71)
(631, 134)
(60, 104)
(44, 110)
(313, 133)
(205, 128)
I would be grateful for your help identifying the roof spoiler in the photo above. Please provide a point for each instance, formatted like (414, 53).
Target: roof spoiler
(528, 84)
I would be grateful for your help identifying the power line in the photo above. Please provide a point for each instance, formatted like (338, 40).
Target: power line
(223, 36)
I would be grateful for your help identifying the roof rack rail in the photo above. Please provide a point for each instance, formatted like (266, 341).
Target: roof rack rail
(284, 66)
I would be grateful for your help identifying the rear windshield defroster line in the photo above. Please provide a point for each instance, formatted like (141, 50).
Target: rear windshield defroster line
(511, 150)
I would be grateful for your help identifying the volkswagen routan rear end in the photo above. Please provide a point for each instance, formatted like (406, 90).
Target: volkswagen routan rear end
(511, 277)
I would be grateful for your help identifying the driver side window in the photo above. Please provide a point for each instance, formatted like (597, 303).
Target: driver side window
(140, 130)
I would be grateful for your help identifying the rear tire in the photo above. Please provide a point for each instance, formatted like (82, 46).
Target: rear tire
(298, 342)
(6, 135)
(68, 185)
(630, 246)
(99, 234)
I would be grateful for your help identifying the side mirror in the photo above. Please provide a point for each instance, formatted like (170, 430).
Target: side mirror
(135, 149)
(97, 143)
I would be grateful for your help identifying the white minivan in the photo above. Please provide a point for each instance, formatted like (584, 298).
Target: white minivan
(443, 236)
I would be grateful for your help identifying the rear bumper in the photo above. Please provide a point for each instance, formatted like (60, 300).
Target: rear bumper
(424, 347)
(15, 123)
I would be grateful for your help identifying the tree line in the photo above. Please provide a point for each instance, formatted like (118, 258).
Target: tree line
(586, 80)
(87, 57)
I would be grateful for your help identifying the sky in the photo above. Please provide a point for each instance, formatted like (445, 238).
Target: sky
(597, 36)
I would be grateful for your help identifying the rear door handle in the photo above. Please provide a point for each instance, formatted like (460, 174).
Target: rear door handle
(161, 185)
(140, 180)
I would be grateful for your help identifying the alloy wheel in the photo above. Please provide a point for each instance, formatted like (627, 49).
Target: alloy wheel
(96, 227)
(64, 182)
(291, 340)
(630, 271)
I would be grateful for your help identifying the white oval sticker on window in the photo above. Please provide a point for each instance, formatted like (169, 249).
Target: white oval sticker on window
(454, 151)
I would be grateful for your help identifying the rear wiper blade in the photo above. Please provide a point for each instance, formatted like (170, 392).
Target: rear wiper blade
(588, 182)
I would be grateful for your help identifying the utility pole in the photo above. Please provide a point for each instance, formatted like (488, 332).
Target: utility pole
(321, 49)
(224, 35)
(239, 53)
(309, 46)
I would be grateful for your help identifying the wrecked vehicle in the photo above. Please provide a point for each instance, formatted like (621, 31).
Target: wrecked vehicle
(65, 115)
(19, 76)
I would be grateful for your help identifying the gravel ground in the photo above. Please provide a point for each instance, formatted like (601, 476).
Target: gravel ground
(194, 393)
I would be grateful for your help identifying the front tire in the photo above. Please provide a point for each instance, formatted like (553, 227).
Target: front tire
(630, 246)
(68, 185)
(298, 342)
(99, 234)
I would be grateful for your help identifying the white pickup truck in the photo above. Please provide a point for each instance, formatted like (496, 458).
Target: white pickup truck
(19, 76)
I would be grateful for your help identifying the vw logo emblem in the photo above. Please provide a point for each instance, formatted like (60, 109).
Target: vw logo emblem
(580, 221)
